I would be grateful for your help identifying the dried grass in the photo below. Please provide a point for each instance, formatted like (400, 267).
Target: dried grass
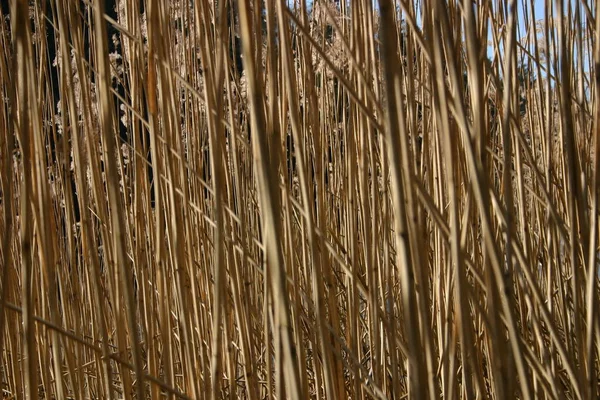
(241, 199)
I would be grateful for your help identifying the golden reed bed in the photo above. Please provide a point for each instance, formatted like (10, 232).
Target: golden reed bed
(275, 199)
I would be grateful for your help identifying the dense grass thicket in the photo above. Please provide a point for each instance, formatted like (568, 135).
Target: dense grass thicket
(321, 199)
